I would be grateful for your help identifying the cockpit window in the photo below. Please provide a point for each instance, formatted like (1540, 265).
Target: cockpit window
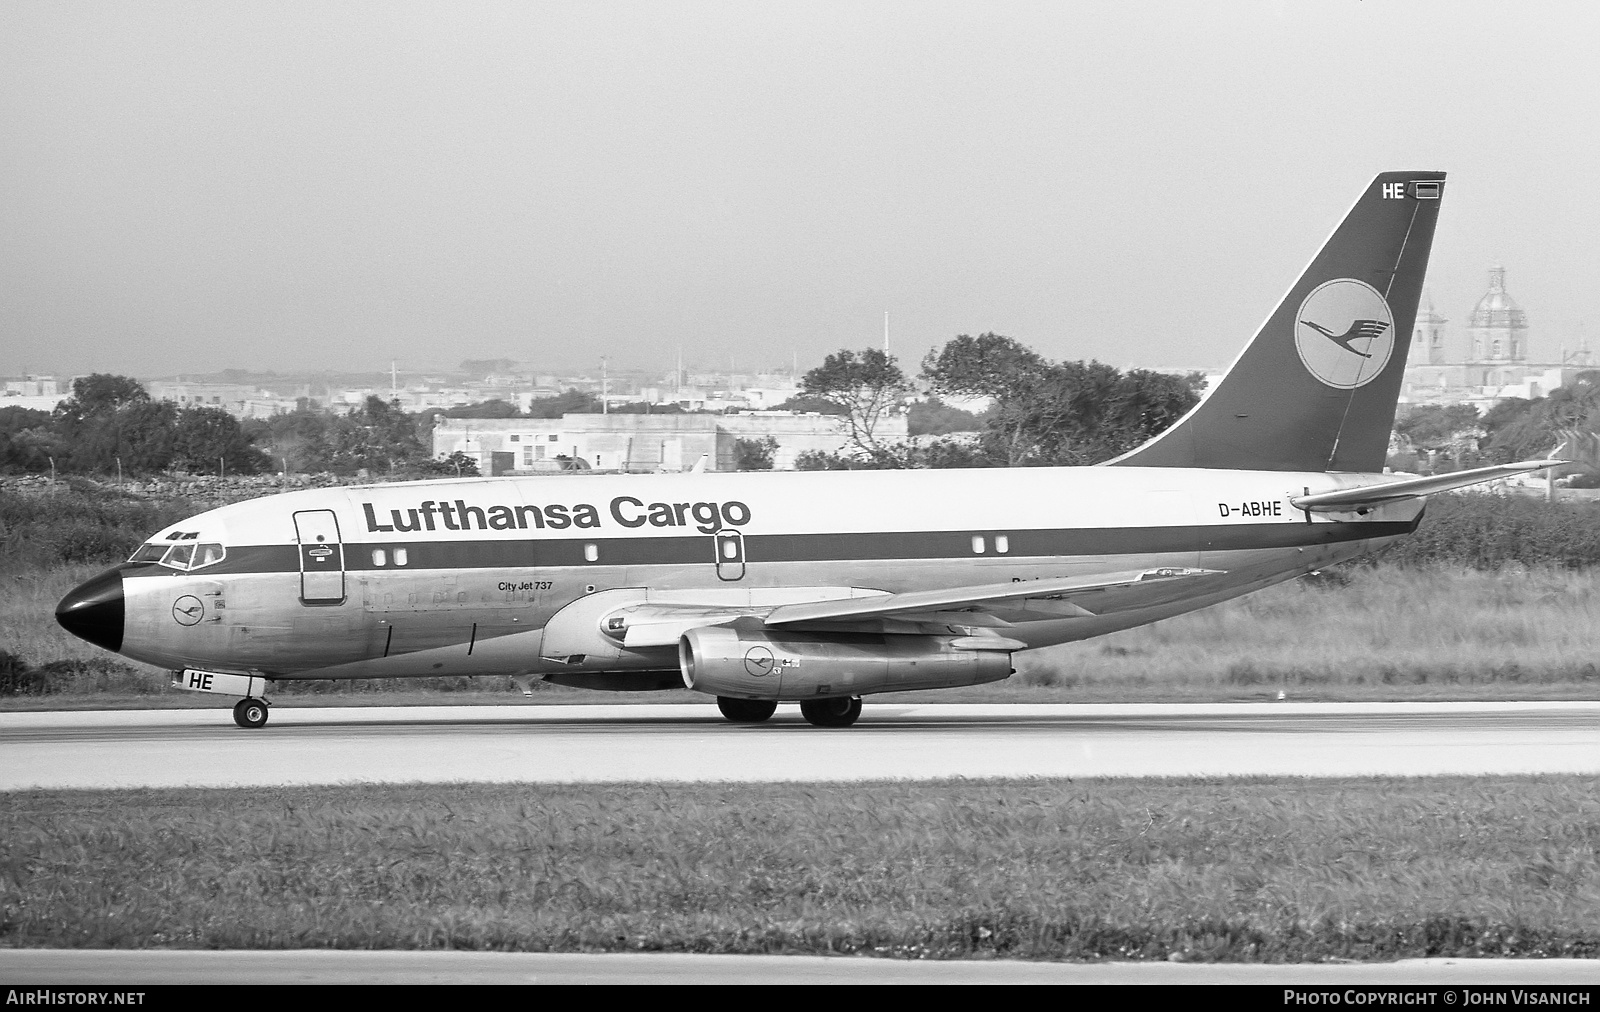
(178, 556)
(184, 557)
(205, 555)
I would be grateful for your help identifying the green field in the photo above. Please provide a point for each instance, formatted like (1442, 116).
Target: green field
(1251, 870)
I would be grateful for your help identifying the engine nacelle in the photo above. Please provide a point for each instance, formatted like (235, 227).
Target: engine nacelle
(760, 664)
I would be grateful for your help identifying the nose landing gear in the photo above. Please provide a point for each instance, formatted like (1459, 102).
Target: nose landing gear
(250, 712)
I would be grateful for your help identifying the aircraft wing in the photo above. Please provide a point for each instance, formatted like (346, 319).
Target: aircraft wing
(1077, 590)
(660, 624)
(1370, 496)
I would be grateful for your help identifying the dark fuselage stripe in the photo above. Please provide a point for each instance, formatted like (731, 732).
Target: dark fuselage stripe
(533, 553)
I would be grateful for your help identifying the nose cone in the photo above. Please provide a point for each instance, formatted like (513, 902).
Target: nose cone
(94, 611)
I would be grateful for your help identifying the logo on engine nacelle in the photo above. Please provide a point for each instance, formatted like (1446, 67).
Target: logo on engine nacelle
(759, 661)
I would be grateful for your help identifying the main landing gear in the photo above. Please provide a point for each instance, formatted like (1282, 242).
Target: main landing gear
(746, 711)
(836, 711)
(250, 712)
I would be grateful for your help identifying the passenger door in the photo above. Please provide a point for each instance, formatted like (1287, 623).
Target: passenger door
(321, 557)
(730, 555)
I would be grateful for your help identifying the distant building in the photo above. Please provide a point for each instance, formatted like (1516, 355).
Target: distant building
(641, 443)
(36, 393)
(1494, 362)
(237, 399)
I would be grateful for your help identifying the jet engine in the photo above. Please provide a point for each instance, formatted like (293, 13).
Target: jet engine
(763, 664)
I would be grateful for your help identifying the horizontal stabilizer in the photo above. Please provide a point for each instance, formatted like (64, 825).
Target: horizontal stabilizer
(1369, 496)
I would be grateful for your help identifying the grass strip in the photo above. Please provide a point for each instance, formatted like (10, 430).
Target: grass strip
(1203, 869)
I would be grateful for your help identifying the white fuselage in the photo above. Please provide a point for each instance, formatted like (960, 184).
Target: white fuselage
(463, 576)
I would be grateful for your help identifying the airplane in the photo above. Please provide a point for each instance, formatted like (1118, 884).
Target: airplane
(816, 587)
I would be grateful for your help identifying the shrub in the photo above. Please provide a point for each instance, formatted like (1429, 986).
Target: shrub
(18, 678)
(1491, 531)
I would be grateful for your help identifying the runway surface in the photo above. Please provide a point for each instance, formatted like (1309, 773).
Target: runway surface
(555, 744)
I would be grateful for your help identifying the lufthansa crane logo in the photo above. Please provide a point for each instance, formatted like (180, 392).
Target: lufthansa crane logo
(759, 661)
(1344, 333)
(188, 609)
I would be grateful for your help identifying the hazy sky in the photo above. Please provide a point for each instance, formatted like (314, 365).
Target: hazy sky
(186, 187)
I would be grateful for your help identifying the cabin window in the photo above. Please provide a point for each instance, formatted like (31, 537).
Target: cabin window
(977, 544)
(516, 439)
(591, 552)
(380, 557)
(1002, 544)
(555, 437)
(399, 556)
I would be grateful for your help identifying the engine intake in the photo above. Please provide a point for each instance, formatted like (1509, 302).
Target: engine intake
(758, 664)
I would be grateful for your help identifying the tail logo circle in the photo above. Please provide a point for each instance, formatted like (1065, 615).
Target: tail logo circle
(1344, 333)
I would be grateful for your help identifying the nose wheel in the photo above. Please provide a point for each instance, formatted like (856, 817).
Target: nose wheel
(250, 712)
(837, 711)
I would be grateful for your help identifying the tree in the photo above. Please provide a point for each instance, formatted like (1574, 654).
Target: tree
(26, 440)
(102, 393)
(574, 401)
(939, 453)
(867, 385)
(145, 433)
(301, 440)
(815, 405)
(1517, 429)
(456, 465)
(1057, 413)
(933, 417)
(206, 438)
(90, 423)
(376, 436)
(1437, 426)
(494, 408)
(754, 454)
(988, 365)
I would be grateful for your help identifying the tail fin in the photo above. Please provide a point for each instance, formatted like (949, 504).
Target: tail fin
(1316, 389)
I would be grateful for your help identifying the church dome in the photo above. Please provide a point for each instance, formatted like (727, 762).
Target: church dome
(1497, 308)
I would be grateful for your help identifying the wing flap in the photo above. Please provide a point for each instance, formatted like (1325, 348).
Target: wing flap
(980, 598)
(662, 623)
(1368, 496)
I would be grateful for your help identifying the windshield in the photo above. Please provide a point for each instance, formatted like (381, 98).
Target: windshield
(183, 557)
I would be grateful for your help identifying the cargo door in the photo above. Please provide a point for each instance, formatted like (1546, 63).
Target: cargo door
(730, 554)
(321, 557)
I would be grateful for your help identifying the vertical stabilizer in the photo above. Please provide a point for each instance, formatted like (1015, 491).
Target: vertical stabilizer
(1316, 389)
